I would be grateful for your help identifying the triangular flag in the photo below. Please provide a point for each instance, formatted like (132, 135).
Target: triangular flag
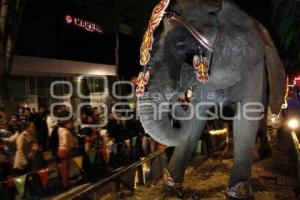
(78, 161)
(146, 171)
(134, 139)
(20, 183)
(92, 157)
(10, 182)
(43, 173)
(136, 179)
(198, 148)
(105, 154)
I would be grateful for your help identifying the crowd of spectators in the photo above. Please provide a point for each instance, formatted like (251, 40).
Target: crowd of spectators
(27, 134)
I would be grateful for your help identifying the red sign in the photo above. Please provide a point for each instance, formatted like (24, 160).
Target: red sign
(88, 26)
(297, 81)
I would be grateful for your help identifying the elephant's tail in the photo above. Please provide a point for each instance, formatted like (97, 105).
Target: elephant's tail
(275, 69)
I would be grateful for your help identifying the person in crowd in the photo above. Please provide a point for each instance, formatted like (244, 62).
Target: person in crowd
(5, 167)
(65, 147)
(42, 129)
(2, 112)
(22, 114)
(107, 145)
(92, 136)
(28, 115)
(3, 118)
(5, 172)
(148, 144)
(33, 114)
(4, 129)
(83, 130)
(51, 123)
(14, 123)
(113, 128)
(14, 127)
(26, 147)
(36, 158)
(63, 111)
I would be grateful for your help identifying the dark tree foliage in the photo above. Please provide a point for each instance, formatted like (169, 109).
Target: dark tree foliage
(286, 23)
(111, 13)
(10, 16)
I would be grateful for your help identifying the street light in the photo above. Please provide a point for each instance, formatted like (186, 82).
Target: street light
(293, 124)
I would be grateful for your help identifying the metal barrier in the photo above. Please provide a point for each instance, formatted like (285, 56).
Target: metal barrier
(297, 151)
(111, 184)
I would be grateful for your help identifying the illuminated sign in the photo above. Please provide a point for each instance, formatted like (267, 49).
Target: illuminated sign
(88, 26)
(296, 81)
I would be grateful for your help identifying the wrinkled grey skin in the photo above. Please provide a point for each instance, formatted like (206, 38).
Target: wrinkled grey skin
(237, 75)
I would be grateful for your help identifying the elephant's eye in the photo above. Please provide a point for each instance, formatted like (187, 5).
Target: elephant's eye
(211, 13)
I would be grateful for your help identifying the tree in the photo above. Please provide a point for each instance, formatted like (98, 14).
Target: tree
(286, 22)
(10, 17)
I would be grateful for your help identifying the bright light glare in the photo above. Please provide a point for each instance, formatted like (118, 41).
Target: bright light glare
(293, 123)
(273, 119)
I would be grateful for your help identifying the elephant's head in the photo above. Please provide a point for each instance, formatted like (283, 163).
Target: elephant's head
(175, 46)
(173, 50)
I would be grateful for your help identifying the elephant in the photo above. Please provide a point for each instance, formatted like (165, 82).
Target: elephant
(239, 65)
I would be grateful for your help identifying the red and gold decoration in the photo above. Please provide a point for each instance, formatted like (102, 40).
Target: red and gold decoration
(201, 65)
(140, 82)
(156, 17)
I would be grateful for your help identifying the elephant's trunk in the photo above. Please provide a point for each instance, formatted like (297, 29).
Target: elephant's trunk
(154, 114)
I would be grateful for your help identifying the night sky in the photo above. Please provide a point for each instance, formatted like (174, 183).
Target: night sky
(45, 33)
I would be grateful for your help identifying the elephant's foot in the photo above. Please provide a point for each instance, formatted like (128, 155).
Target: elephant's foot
(172, 188)
(232, 198)
(241, 190)
(264, 151)
(170, 191)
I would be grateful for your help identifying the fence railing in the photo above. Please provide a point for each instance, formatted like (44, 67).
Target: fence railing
(297, 152)
(111, 184)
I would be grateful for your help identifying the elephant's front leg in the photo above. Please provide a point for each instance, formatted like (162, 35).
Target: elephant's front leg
(245, 127)
(182, 154)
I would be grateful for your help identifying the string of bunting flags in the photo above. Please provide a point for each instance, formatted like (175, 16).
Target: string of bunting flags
(20, 181)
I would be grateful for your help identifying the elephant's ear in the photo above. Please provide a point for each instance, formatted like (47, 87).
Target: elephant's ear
(214, 6)
(211, 6)
(276, 73)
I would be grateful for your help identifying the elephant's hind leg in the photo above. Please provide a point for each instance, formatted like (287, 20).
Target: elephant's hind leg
(250, 112)
(244, 136)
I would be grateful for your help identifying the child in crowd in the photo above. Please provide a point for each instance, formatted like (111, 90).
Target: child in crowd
(65, 146)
